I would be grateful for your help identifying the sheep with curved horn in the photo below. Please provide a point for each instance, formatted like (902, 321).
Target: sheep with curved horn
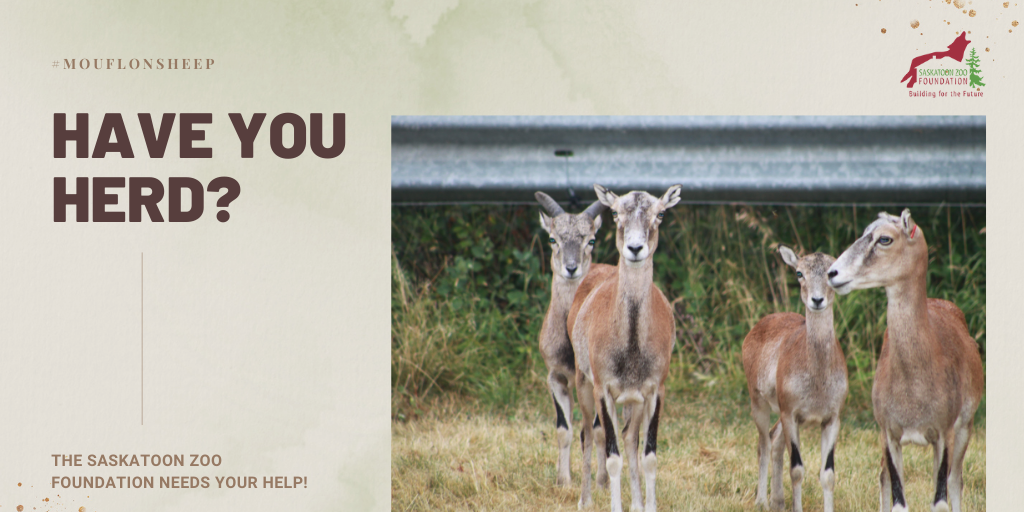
(572, 239)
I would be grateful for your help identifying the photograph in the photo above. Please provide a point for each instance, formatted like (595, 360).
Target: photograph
(578, 302)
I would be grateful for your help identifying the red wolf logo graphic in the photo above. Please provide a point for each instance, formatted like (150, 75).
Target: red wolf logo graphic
(955, 52)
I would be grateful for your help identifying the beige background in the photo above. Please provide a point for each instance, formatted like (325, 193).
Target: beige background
(266, 337)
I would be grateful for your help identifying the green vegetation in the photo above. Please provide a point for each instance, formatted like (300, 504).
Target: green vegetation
(470, 285)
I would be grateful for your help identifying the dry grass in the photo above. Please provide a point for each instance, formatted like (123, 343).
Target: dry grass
(451, 459)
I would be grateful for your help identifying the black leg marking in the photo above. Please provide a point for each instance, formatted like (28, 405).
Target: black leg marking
(830, 463)
(560, 418)
(940, 485)
(794, 457)
(565, 355)
(583, 440)
(597, 421)
(894, 478)
(610, 446)
(651, 446)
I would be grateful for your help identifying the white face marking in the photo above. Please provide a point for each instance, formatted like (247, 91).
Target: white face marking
(572, 239)
(812, 274)
(872, 260)
(636, 220)
(637, 216)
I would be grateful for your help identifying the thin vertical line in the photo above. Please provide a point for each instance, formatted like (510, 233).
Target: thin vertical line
(141, 337)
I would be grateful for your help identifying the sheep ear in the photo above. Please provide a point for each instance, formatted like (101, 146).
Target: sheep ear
(788, 255)
(597, 223)
(607, 197)
(545, 222)
(908, 224)
(671, 196)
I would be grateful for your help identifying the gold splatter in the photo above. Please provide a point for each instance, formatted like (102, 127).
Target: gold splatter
(915, 24)
(1014, 23)
(20, 508)
(972, 13)
(965, 11)
(949, 1)
(883, 31)
(19, 484)
(1006, 5)
(959, 3)
(986, 49)
(947, 23)
(81, 509)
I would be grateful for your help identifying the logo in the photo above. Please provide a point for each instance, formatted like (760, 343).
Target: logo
(942, 81)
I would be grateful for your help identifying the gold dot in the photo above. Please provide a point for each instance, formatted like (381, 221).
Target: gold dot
(1014, 23)
(986, 49)
(883, 31)
(972, 13)
(915, 24)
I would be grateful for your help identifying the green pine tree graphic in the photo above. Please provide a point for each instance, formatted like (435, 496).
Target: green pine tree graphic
(975, 64)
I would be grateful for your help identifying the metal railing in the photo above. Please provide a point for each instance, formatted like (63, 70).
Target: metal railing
(859, 159)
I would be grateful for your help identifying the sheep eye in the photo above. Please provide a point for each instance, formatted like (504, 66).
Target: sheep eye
(615, 215)
(661, 215)
(884, 240)
(592, 241)
(551, 240)
(799, 274)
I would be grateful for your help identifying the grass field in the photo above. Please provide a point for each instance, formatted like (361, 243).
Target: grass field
(473, 424)
(457, 459)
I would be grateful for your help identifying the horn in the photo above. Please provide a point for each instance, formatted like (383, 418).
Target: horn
(549, 204)
(594, 211)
